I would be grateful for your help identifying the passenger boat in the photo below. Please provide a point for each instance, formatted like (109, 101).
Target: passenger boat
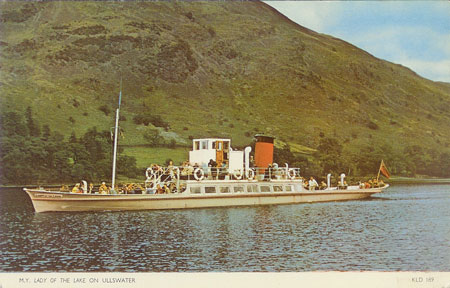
(232, 179)
(238, 182)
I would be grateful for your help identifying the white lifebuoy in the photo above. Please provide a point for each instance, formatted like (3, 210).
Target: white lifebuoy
(202, 174)
(291, 173)
(237, 174)
(147, 172)
(250, 174)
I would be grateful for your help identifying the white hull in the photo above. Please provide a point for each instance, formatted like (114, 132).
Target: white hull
(45, 201)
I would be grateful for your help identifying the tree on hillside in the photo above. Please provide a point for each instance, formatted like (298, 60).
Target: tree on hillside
(153, 137)
(328, 154)
(33, 127)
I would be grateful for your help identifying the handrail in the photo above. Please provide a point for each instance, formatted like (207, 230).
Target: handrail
(160, 174)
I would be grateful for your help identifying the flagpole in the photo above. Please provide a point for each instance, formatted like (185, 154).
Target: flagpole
(116, 128)
(379, 170)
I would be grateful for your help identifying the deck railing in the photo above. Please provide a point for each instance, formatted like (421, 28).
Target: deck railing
(160, 174)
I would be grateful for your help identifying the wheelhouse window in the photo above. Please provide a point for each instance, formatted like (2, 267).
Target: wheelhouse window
(265, 188)
(195, 190)
(204, 145)
(210, 189)
(288, 188)
(196, 145)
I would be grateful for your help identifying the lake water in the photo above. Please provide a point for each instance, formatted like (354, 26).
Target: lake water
(403, 228)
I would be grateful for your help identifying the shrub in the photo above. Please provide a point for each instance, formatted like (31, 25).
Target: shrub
(155, 120)
(105, 109)
(372, 125)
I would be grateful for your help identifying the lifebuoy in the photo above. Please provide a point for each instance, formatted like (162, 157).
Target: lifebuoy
(250, 174)
(291, 173)
(147, 172)
(237, 174)
(202, 174)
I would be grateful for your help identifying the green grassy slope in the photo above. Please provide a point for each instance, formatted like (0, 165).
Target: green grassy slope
(228, 69)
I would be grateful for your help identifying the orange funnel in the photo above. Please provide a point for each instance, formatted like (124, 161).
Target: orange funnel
(263, 151)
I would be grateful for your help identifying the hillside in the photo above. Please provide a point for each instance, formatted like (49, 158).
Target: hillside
(228, 69)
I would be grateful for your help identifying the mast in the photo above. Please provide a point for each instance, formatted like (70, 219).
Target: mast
(116, 130)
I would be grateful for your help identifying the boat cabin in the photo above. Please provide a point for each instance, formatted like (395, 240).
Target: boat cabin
(217, 149)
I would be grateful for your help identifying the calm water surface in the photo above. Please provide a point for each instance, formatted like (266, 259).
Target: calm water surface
(404, 228)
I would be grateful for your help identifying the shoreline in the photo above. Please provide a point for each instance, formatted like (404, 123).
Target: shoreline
(407, 180)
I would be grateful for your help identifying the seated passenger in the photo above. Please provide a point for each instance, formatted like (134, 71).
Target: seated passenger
(367, 185)
(305, 183)
(166, 189)
(138, 189)
(76, 188)
(381, 183)
(374, 183)
(103, 189)
(182, 188)
(323, 185)
(345, 185)
(124, 189)
(159, 189)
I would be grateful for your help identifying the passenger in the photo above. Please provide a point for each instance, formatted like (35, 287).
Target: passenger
(76, 188)
(367, 185)
(252, 161)
(138, 189)
(184, 170)
(223, 169)
(103, 189)
(345, 186)
(156, 169)
(130, 188)
(323, 185)
(312, 184)
(190, 169)
(370, 184)
(381, 183)
(91, 187)
(159, 189)
(212, 167)
(305, 183)
(149, 188)
(339, 185)
(361, 185)
(64, 188)
(182, 188)
(173, 187)
(124, 189)
(374, 183)
(166, 189)
(268, 172)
